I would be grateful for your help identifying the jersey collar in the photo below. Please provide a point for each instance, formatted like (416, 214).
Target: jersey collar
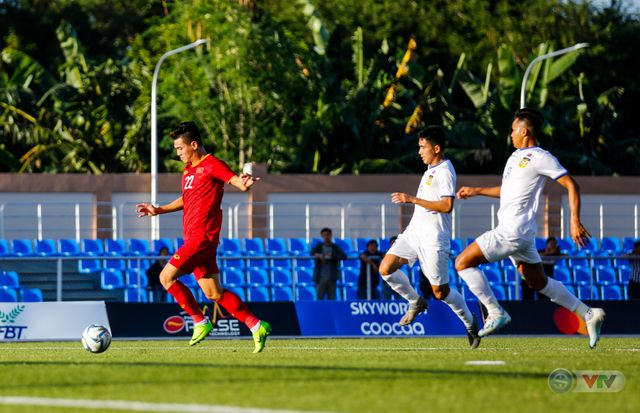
(438, 164)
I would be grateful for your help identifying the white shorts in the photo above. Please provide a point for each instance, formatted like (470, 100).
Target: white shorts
(433, 263)
(496, 246)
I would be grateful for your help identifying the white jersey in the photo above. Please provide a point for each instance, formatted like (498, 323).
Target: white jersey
(522, 181)
(433, 229)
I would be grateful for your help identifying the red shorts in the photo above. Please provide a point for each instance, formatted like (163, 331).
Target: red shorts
(196, 256)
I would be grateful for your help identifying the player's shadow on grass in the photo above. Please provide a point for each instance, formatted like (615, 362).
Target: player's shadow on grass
(350, 372)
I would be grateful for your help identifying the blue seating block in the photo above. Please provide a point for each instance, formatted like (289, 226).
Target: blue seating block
(306, 292)
(230, 247)
(305, 275)
(87, 266)
(30, 295)
(92, 246)
(276, 247)
(563, 274)
(8, 295)
(282, 293)
(258, 276)
(611, 245)
(298, 247)
(115, 247)
(135, 278)
(68, 247)
(163, 242)
(233, 277)
(134, 295)
(4, 248)
(282, 276)
(139, 246)
(22, 247)
(111, 279)
(9, 279)
(612, 292)
(350, 275)
(259, 294)
(46, 248)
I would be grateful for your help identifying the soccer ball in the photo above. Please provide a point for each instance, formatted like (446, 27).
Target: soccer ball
(96, 338)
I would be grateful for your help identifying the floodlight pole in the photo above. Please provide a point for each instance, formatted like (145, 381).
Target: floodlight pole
(541, 58)
(155, 227)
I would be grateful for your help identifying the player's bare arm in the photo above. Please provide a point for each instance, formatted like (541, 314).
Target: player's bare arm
(578, 233)
(243, 182)
(471, 191)
(444, 205)
(149, 210)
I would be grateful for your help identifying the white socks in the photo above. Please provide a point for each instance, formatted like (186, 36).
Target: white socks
(456, 302)
(480, 287)
(399, 282)
(559, 294)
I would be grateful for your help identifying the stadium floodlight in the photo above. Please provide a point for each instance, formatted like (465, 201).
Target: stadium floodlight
(155, 227)
(541, 58)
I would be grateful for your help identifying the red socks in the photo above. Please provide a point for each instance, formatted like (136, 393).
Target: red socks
(185, 299)
(234, 305)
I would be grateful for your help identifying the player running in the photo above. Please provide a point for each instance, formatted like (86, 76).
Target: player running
(523, 178)
(203, 182)
(427, 238)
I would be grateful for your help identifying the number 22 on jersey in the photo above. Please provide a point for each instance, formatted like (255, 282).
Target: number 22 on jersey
(188, 181)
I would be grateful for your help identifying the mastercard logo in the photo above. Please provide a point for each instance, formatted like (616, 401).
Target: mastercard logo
(173, 324)
(569, 323)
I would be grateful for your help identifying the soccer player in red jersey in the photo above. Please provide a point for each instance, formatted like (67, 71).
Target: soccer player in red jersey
(203, 181)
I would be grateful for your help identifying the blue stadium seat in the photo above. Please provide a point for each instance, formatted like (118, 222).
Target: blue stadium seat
(9, 279)
(115, 264)
(30, 295)
(163, 242)
(4, 248)
(351, 262)
(190, 281)
(566, 245)
(258, 276)
(511, 274)
(133, 295)
(276, 247)
(254, 247)
(68, 247)
(582, 276)
(179, 242)
(282, 293)
(500, 292)
(563, 275)
(111, 279)
(22, 247)
(283, 261)
(8, 295)
(580, 260)
(612, 292)
(350, 292)
(305, 275)
(314, 242)
(135, 278)
(233, 277)
(46, 248)
(469, 241)
(239, 291)
(541, 243)
(625, 274)
(454, 279)
(350, 275)
(361, 243)
(259, 294)
(606, 275)
(282, 276)
(456, 246)
(605, 261)
(511, 291)
(139, 246)
(304, 262)
(493, 276)
(230, 247)
(136, 263)
(115, 247)
(298, 247)
(416, 274)
(627, 243)
(384, 244)
(585, 292)
(232, 262)
(347, 245)
(306, 292)
(590, 247)
(611, 245)
(87, 266)
(92, 246)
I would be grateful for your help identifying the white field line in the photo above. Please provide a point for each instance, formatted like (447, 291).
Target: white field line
(11, 347)
(132, 405)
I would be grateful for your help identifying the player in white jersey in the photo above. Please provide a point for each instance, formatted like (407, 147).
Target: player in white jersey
(524, 177)
(427, 237)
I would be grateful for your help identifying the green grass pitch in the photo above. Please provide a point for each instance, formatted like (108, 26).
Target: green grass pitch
(324, 375)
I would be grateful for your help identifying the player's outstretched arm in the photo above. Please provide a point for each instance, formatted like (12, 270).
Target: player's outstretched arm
(578, 233)
(444, 205)
(243, 182)
(471, 191)
(149, 210)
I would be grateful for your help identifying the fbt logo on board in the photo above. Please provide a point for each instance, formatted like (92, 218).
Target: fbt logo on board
(586, 381)
(8, 328)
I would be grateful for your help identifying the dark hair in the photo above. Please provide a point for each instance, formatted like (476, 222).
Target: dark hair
(552, 239)
(532, 118)
(188, 131)
(435, 135)
(326, 229)
(392, 239)
(372, 241)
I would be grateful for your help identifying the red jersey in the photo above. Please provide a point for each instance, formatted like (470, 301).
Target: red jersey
(202, 191)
